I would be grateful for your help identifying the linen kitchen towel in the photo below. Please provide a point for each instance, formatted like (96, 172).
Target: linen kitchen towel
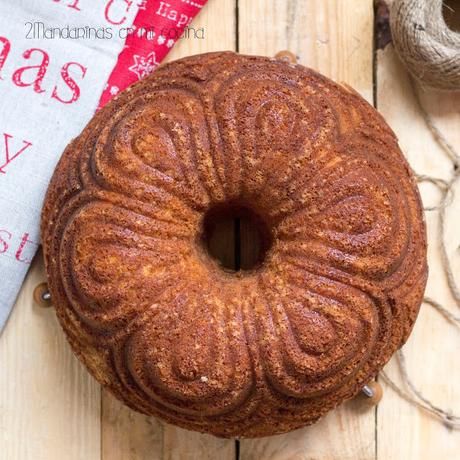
(59, 61)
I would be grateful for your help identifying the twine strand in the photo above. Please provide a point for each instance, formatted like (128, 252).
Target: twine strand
(416, 398)
(447, 187)
(436, 133)
(442, 185)
(454, 319)
(454, 289)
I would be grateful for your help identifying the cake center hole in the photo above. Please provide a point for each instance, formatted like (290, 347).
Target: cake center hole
(236, 237)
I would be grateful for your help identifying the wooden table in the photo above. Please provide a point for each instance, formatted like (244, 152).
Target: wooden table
(50, 408)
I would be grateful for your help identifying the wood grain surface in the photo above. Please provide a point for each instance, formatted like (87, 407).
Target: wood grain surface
(336, 38)
(50, 408)
(433, 349)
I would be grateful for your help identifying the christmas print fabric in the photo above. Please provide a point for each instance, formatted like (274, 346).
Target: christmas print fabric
(59, 61)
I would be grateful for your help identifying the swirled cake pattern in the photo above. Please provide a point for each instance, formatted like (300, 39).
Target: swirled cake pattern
(166, 329)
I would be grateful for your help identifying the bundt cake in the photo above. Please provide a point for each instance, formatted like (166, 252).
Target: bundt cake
(152, 315)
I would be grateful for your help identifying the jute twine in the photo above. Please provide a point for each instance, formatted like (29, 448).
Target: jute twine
(424, 42)
(447, 189)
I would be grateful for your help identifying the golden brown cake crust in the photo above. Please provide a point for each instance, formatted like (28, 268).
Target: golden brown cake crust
(170, 333)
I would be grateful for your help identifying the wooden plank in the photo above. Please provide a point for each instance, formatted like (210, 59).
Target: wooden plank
(217, 20)
(336, 38)
(181, 444)
(432, 350)
(125, 434)
(221, 244)
(250, 243)
(49, 404)
(128, 434)
(345, 433)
